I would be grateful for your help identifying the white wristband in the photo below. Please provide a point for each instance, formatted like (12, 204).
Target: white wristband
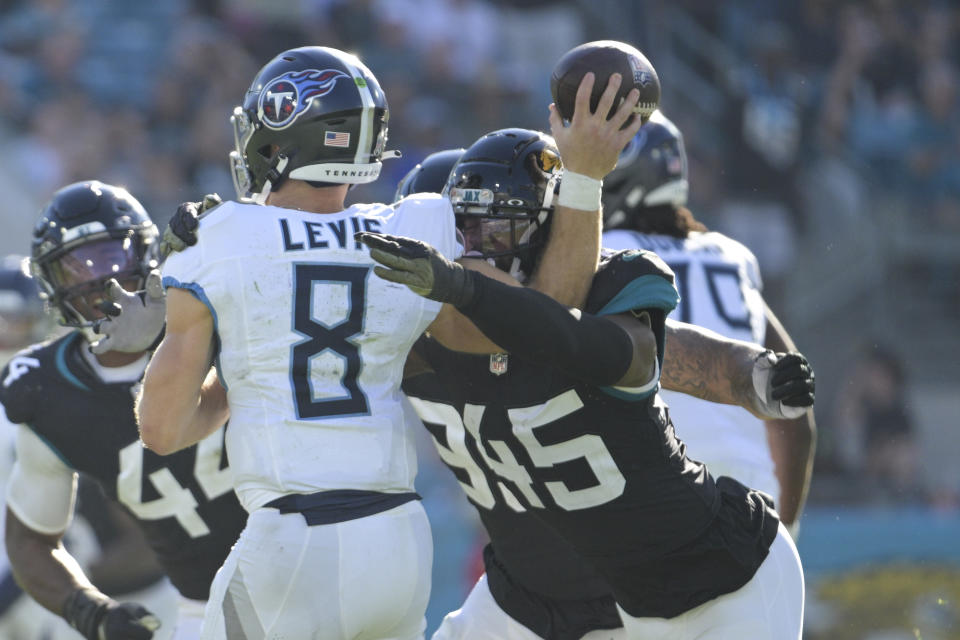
(578, 191)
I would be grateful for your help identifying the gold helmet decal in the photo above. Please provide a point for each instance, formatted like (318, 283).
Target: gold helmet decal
(548, 161)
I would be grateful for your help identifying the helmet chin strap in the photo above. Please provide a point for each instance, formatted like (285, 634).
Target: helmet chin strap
(275, 177)
(517, 272)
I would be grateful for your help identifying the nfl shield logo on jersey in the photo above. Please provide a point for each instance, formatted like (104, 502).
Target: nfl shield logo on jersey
(498, 363)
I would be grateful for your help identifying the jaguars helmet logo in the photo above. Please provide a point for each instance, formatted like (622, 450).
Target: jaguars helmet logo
(286, 97)
(549, 161)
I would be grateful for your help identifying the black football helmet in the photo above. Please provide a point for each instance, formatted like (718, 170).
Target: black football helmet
(87, 234)
(651, 171)
(22, 317)
(430, 176)
(315, 114)
(502, 191)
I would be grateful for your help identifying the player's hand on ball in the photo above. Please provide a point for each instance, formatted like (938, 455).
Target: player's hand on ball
(604, 58)
(591, 145)
(419, 266)
(181, 231)
(133, 321)
(785, 384)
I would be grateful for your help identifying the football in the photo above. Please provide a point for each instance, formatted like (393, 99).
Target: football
(603, 58)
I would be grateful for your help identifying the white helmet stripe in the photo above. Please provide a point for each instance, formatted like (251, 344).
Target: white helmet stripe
(364, 142)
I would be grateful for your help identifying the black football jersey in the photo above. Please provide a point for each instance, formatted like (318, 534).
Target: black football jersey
(602, 468)
(184, 502)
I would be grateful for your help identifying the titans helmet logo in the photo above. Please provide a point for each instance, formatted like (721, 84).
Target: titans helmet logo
(284, 98)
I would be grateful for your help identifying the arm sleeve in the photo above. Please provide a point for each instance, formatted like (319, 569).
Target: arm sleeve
(42, 487)
(540, 329)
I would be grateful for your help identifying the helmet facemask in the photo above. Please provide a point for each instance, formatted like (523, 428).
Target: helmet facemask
(242, 132)
(508, 237)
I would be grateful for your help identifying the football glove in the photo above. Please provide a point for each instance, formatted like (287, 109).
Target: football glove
(181, 231)
(420, 267)
(133, 321)
(784, 384)
(98, 617)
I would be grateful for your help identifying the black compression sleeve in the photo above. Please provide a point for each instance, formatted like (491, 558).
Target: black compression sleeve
(534, 326)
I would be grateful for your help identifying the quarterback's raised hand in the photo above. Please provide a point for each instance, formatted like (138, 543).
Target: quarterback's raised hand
(181, 231)
(98, 617)
(784, 383)
(134, 320)
(591, 145)
(419, 266)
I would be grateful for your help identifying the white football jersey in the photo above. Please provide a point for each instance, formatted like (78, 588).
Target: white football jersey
(312, 342)
(720, 289)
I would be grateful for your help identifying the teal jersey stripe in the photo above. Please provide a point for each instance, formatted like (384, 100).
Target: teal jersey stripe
(61, 360)
(645, 292)
(630, 397)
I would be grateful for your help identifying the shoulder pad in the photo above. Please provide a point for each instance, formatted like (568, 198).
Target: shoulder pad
(632, 279)
(422, 204)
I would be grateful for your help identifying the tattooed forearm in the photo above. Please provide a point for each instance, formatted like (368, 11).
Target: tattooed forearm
(704, 364)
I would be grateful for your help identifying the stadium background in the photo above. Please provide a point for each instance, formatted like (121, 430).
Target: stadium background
(821, 133)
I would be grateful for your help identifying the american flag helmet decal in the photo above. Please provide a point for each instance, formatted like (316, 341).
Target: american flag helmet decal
(336, 139)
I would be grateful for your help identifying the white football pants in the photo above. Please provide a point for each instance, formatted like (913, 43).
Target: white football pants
(769, 607)
(189, 618)
(363, 579)
(481, 618)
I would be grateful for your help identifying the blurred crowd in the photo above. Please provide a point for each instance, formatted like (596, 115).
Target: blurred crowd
(826, 108)
(140, 93)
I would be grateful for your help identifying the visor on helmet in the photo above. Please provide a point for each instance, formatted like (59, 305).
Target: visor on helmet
(497, 239)
(79, 275)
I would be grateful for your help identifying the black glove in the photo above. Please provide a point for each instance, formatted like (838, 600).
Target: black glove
(98, 617)
(794, 383)
(181, 231)
(420, 267)
(784, 383)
